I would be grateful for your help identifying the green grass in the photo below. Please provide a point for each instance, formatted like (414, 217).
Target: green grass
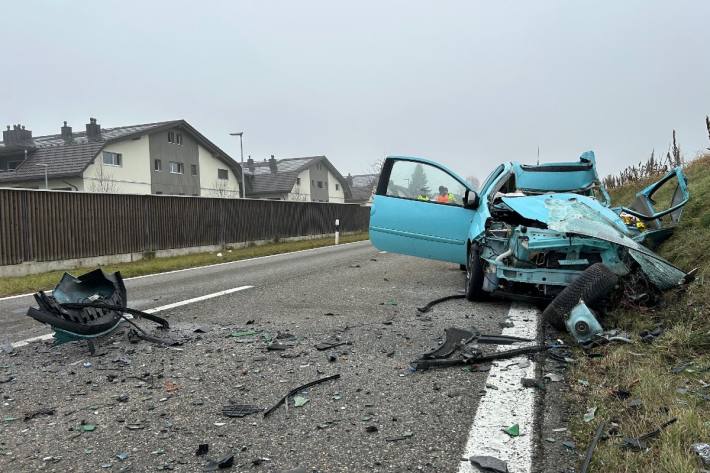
(646, 369)
(32, 283)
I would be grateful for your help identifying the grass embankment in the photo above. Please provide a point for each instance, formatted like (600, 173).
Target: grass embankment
(656, 373)
(44, 281)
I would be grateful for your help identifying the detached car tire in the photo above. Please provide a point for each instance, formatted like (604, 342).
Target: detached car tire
(591, 286)
(474, 275)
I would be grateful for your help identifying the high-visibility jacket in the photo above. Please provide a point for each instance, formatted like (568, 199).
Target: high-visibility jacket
(445, 199)
(423, 197)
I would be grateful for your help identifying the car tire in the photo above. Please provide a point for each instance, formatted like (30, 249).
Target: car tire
(462, 267)
(593, 285)
(474, 275)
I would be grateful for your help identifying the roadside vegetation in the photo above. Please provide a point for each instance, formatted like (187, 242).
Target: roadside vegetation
(44, 281)
(670, 376)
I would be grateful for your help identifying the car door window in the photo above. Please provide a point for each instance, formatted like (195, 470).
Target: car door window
(423, 182)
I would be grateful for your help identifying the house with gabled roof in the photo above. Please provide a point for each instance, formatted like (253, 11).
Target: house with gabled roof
(170, 158)
(362, 186)
(310, 179)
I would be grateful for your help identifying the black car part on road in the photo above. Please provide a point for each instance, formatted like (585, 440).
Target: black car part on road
(591, 286)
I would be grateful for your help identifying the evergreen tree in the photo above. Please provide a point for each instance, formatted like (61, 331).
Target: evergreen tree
(418, 181)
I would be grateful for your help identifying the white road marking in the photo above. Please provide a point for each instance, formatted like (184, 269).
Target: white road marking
(510, 404)
(49, 336)
(207, 266)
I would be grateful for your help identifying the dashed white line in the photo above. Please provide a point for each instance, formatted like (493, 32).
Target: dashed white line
(6, 298)
(509, 404)
(49, 336)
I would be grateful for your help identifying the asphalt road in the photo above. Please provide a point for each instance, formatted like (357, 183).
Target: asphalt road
(157, 404)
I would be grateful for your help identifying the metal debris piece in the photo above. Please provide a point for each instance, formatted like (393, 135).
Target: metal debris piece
(553, 377)
(592, 446)
(431, 304)
(639, 443)
(297, 390)
(371, 429)
(241, 410)
(489, 464)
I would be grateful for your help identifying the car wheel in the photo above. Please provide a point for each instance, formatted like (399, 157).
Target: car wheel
(591, 286)
(474, 275)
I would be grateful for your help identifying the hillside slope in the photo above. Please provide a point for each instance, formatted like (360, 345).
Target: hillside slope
(670, 376)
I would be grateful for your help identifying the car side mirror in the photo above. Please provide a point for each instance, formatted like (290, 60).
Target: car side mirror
(471, 200)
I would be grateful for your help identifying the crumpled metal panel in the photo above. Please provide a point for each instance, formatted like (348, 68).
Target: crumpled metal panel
(582, 215)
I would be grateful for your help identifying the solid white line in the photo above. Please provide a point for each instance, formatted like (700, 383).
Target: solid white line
(206, 266)
(49, 336)
(510, 404)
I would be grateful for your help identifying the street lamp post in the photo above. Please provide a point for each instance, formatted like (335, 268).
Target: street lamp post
(241, 151)
(46, 181)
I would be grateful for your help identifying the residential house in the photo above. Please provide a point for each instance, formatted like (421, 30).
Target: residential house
(170, 158)
(310, 179)
(362, 186)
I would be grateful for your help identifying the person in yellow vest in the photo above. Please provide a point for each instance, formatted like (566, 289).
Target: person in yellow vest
(423, 194)
(444, 197)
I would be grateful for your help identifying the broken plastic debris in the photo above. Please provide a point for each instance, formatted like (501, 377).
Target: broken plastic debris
(202, 449)
(404, 436)
(122, 456)
(592, 446)
(431, 304)
(554, 377)
(297, 390)
(489, 464)
(88, 427)
(513, 430)
(703, 451)
(638, 443)
(221, 464)
(589, 415)
(300, 401)
(244, 333)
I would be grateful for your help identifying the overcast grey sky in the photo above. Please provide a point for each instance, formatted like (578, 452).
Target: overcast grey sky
(465, 83)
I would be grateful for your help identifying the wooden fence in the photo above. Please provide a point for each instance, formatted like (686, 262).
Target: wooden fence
(51, 226)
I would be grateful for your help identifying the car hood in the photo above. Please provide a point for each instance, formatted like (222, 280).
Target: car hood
(582, 215)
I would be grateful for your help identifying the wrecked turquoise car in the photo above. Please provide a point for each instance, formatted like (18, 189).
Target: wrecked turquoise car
(530, 231)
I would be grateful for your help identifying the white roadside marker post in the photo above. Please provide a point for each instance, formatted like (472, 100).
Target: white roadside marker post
(337, 231)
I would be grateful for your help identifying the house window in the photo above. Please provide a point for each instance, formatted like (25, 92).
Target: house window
(313, 183)
(112, 159)
(337, 187)
(193, 169)
(222, 174)
(12, 165)
(171, 137)
(177, 168)
(320, 184)
(298, 181)
(178, 138)
(157, 165)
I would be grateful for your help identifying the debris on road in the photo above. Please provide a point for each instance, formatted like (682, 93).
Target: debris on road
(300, 401)
(592, 446)
(455, 338)
(241, 410)
(221, 464)
(328, 345)
(589, 415)
(202, 449)
(87, 307)
(424, 364)
(404, 436)
(297, 390)
(513, 430)
(639, 443)
(431, 304)
(44, 411)
(489, 464)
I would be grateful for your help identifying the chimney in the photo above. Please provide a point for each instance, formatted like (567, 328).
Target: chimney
(349, 180)
(272, 164)
(93, 130)
(17, 136)
(250, 164)
(66, 133)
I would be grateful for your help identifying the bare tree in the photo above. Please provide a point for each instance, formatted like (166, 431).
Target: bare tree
(103, 182)
(221, 188)
(376, 167)
(475, 183)
(707, 125)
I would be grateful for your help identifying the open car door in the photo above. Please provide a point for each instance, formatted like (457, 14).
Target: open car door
(659, 206)
(422, 209)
